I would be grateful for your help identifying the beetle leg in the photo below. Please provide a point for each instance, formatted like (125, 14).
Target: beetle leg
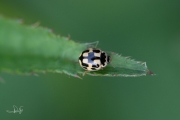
(85, 72)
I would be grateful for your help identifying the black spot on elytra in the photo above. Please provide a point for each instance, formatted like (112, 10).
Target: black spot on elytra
(85, 67)
(81, 58)
(85, 51)
(96, 51)
(103, 58)
(95, 58)
(84, 64)
(97, 65)
(93, 68)
(93, 65)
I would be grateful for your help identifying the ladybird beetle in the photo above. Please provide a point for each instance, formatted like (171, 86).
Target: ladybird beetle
(93, 59)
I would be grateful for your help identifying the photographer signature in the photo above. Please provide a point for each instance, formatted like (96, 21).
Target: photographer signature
(16, 110)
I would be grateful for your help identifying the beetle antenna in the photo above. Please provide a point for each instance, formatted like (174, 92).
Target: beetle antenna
(92, 45)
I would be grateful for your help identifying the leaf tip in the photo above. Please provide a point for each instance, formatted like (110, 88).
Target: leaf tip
(150, 72)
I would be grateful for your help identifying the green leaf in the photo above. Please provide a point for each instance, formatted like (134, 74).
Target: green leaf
(33, 49)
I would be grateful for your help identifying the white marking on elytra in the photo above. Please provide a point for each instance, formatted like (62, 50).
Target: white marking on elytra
(97, 54)
(90, 50)
(85, 60)
(97, 61)
(85, 54)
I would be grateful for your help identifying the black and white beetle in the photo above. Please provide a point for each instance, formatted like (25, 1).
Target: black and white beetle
(93, 59)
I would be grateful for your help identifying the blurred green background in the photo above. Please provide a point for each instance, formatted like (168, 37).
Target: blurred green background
(147, 30)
